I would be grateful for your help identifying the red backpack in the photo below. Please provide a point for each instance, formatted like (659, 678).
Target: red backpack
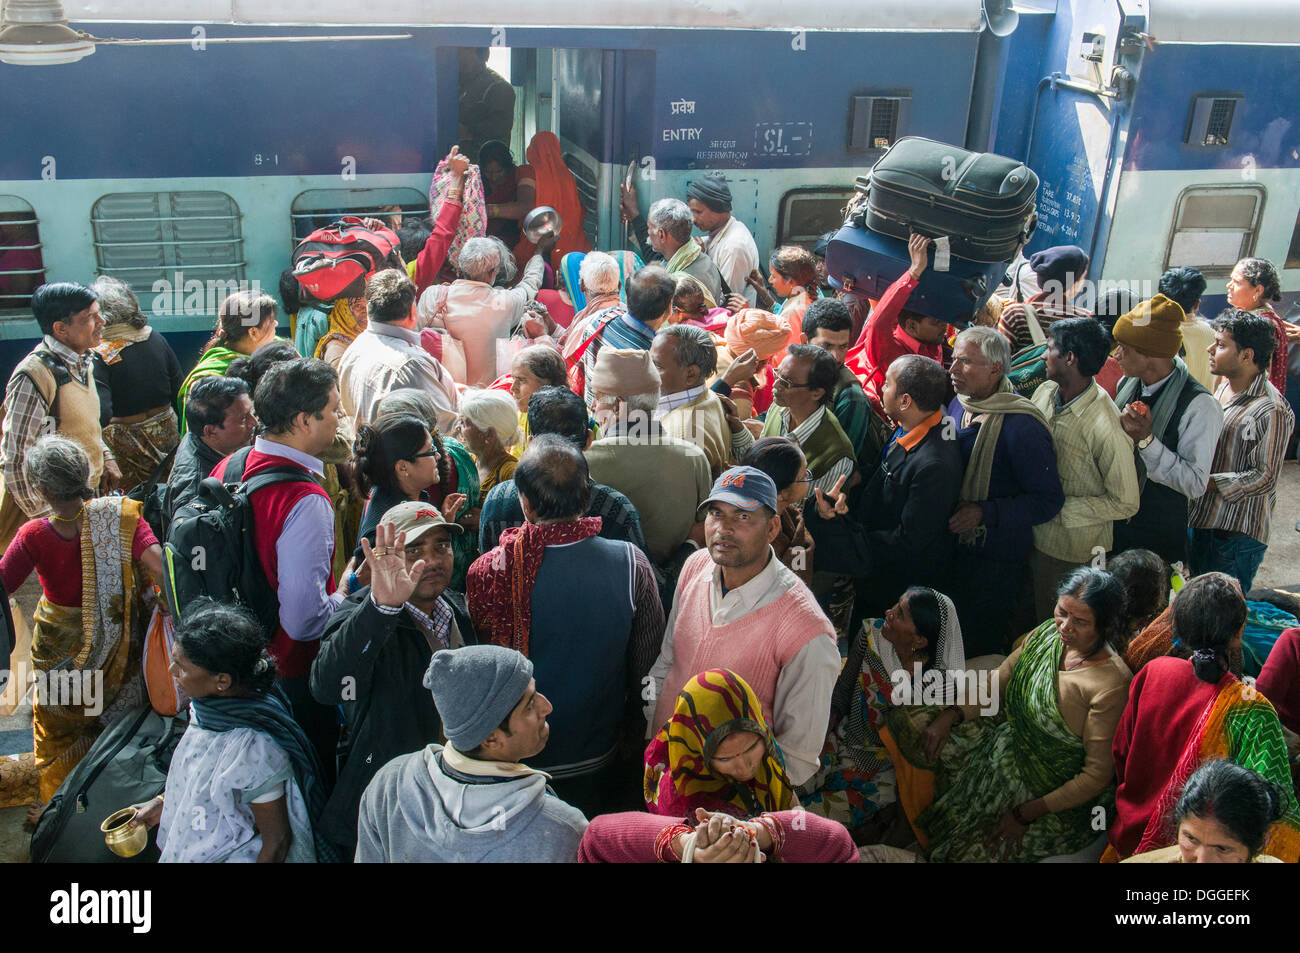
(333, 262)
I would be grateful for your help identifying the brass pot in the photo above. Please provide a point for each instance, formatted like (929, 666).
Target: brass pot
(123, 840)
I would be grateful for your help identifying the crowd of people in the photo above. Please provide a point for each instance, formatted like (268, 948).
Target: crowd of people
(648, 555)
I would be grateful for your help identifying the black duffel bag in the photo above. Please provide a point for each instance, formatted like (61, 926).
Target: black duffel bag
(983, 202)
(126, 765)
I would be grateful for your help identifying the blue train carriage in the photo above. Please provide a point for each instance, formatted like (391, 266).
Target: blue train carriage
(1164, 133)
(186, 168)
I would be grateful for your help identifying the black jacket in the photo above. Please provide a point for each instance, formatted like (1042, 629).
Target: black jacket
(194, 463)
(897, 532)
(373, 666)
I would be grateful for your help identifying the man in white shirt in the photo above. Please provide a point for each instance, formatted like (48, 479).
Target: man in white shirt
(387, 355)
(739, 608)
(726, 239)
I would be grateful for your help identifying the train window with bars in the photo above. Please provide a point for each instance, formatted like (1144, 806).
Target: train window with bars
(1214, 227)
(165, 239)
(22, 267)
(317, 208)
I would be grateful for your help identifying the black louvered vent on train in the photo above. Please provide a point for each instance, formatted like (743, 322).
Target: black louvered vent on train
(876, 122)
(1212, 120)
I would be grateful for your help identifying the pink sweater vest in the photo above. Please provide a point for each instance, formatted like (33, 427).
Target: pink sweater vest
(756, 646)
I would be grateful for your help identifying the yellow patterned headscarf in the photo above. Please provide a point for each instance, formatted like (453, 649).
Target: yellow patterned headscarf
(343, 327)
(712, 706)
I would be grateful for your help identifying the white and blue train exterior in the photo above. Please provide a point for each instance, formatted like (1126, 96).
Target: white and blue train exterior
(767, 94)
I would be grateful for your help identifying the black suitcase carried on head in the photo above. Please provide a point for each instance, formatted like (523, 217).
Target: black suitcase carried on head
(126, 765)
(983, 202)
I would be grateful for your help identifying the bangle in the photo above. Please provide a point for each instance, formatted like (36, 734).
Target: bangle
(1020, 818)
(453, 194)
(665, 852)
(775, 830)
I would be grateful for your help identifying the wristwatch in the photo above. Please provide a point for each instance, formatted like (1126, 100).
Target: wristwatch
(1146, 441)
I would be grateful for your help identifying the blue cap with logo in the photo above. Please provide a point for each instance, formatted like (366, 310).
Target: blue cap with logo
(745, 487)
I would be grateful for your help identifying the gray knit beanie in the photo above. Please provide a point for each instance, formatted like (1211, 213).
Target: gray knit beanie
(474, 689)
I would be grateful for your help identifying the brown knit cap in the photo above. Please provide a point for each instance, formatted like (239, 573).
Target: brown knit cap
(623, 373)
(1153, 328)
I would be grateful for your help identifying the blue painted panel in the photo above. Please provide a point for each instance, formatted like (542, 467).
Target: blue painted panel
(1266, 126)
(171, 112)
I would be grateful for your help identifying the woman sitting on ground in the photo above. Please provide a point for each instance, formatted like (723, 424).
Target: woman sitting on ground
(1223, 817)
(782, 459)
(96, 559)
(245, 322)
(1190, 707)
(1145, 578)
(489, 424)
(716, 753)
(1027, 789)
(243, 765)
(874, 711)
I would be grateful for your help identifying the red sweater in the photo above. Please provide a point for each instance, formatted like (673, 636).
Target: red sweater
(629, 838)
(57, 561)
(883, 341)
(271, 507)
(1165, 701)
(434, 253)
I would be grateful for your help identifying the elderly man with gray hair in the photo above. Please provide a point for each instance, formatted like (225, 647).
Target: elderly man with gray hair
(475, 313)
(1011, 485)
(665, 478)
(668, 230)
(686, 358)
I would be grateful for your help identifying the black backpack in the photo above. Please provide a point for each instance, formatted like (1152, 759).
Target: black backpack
(210, 549)
(152, 495)
(126, 765)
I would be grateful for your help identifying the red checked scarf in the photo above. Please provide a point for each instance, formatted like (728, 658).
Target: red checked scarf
(500, 584)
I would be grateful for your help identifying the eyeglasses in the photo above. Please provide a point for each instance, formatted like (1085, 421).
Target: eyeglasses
(428, 453)
(786, 382)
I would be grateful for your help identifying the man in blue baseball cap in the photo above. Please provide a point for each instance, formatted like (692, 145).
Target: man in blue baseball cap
(740, 608)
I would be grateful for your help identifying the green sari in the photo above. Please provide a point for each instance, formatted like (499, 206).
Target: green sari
(1023, 756)
(214, 363)
(464, 546)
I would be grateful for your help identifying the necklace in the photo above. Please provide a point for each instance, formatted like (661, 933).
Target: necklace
(69, 519)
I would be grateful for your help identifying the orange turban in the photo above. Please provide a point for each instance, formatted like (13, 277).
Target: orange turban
(755, 328)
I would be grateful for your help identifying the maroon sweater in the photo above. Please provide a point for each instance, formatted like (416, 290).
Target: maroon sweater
(271, 507)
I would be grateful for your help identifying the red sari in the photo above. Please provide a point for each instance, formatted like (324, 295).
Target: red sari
(557, 188)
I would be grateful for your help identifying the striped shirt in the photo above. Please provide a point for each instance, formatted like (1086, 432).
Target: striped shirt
(1014, 323)
(669, 402)
(624, 331)
(1247, 461)
(1094, 458)
(27, 419)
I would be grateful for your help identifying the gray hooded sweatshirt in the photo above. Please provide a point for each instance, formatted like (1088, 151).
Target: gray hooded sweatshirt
(416, 810)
